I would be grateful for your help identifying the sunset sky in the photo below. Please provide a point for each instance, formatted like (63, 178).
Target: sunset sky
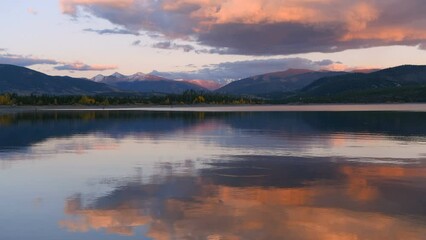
(210, 39)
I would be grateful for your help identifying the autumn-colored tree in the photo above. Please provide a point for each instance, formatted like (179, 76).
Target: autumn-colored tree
(85, 100)
(199, 99)
(5, 99)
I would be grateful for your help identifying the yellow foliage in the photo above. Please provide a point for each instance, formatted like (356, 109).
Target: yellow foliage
(5, 100)
(199, 99)
(85, 100)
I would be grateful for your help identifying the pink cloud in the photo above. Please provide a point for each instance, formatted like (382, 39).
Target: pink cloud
(336, 66)
(69, 6)
(268, 27)
(78, 66)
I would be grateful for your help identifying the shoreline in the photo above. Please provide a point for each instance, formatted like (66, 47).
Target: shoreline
(344, 107)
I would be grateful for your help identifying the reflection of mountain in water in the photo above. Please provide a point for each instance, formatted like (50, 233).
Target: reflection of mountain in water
(26, 129)
(23, 130)
(388, 123)
(328, 200)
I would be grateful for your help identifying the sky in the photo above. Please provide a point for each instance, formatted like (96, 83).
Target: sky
(220, 40)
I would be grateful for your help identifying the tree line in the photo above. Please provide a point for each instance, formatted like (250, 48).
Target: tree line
(187, 97)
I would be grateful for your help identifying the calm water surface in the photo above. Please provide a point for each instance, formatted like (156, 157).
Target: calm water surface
(204, 175)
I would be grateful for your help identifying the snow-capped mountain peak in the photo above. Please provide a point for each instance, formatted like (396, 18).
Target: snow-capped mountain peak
(117, 75)
(98, 78)
(137, 76)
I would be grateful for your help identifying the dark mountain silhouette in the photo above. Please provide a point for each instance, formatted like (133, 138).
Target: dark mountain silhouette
(24, 81)
(391, 78)
(277, 82)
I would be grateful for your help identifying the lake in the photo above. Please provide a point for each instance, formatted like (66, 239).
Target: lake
(295, 175)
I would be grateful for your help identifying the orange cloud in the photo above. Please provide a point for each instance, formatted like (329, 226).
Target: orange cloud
(255, 11)
(69, 6)
(358, 16)
(269, 26)
(276, 11)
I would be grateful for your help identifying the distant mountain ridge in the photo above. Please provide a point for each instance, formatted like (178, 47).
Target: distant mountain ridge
(406, 75)
(24, 81)
(406, 83)
(118, 77)
(276, 82)
(147, 83)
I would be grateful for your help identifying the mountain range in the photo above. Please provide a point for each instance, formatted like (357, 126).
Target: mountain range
(402, 83)
(384, 79)
(24, 81)
(276, 82)
(147, 83)
(405, 83)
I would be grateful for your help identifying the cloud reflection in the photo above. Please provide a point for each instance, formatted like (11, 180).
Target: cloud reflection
(329, 200)
(118, 221)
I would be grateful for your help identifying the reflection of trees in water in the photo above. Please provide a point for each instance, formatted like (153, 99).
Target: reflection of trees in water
(387, 123)
(329, 201)
(26, 129)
